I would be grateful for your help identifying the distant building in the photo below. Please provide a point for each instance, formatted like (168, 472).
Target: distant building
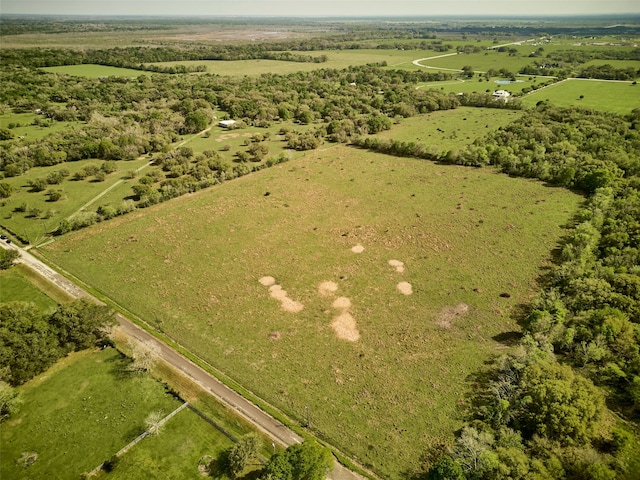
(501, 95)
(226, 123)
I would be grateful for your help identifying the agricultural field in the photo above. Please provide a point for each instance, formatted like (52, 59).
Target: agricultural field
(450, 129)
(480, 84)
(95, 71)
(78, 414)
(617, 97)
(398, 278)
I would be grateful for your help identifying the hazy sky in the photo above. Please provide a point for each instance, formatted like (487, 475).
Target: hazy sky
(319, 7)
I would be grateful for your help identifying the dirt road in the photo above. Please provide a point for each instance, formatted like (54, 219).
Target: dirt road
(261, 420)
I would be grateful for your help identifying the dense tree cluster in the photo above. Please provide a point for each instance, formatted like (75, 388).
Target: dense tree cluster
(125, 118)
(31, 341)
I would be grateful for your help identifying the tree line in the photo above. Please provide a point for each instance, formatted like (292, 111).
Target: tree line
(541, 412)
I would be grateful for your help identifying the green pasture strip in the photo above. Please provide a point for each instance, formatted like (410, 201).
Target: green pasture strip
(336, 59)
(478, 84)
(27, 129)
(15, 286)
(450, 129)
(94, 71)
(174, 453)
(44, 285)
(76, 193)
(635, 64)
(191, 267)
(78, 414)
(617, 97)
(482, 61)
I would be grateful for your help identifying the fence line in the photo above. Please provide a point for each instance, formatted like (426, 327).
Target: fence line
(127, 447)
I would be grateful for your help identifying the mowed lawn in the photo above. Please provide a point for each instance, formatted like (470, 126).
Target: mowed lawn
(468, 238)
(78, 414)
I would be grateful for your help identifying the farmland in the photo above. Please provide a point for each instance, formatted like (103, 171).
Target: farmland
(233, 235)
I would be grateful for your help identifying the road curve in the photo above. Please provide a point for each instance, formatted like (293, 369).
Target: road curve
(261, 420)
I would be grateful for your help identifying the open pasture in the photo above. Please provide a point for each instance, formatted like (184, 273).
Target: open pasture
(481, 61)
(450, 129)
(23, 125)
(364, 287)
(94, 71)
(480, 85)
(77, 415)
(612, 96)
(336, 59)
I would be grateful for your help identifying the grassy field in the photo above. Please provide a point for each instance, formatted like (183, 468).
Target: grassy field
(618, 97)
(26, 127)
(450, 129)
(94, 71)
(480, 85)
(173, 454)
(77, 415)
(15, 286)
(466, 236)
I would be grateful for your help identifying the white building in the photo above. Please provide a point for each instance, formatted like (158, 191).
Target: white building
(501, 95)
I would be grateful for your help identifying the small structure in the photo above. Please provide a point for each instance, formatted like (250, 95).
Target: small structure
(227, 123)
(501, 95)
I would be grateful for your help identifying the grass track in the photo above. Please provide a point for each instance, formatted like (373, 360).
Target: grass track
(191, 267)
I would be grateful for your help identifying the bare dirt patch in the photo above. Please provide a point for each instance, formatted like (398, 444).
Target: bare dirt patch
(398, 265)
(327, 288)
(274, 336)
(449, 314)
(341, 303)
(344, 326)
(227, 136)
(267, 281)
(287, 304)
(405, 288)
(357, 249)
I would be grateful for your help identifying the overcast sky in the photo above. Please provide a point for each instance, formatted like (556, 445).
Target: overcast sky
(319, 7)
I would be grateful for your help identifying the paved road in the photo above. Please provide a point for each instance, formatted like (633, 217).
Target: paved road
(264, 422)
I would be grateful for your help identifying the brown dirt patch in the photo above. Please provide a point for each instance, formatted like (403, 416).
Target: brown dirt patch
(327, 288)
(286, 303)
(274, 336)
(398, 265)
(267, 281)
(405, 288)
(344, 326)
(449, 314)
(341, 303)
(357, 249)
(227, 136)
